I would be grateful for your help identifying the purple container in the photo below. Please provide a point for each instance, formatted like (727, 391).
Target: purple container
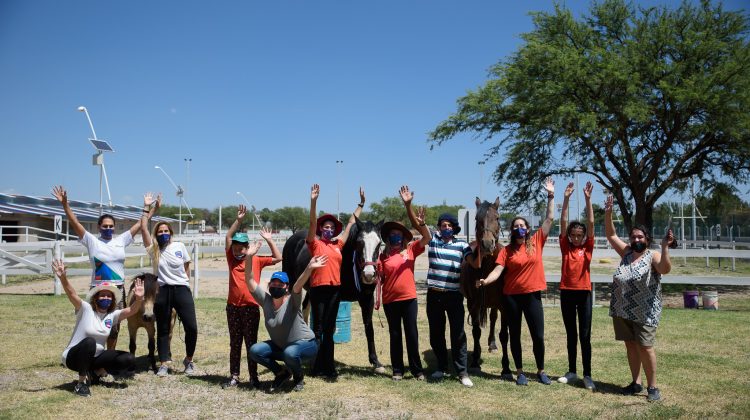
(690, 298)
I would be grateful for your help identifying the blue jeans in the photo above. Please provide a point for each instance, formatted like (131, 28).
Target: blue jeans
(267, 353)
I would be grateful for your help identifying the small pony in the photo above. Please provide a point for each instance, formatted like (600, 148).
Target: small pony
(144, 318)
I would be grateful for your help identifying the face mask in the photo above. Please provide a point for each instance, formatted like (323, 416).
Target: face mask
(326, 234)
(239, 257)
(446, 233)
(519, 233)
(106, 233)
(638, 246)
(163, 239)
(277, 292)
(395, 239)
(104, 303)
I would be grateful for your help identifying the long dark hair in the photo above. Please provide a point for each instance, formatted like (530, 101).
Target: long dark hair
(527, 239)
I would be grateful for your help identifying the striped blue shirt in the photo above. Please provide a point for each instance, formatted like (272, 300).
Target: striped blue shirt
(445, 260)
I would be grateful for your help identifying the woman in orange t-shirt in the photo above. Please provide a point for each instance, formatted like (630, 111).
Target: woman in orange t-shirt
(326, 236)
(577, 248)
(396, 266)
(524, 281)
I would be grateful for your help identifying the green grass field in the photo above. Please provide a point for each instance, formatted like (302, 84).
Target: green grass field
(703, 359)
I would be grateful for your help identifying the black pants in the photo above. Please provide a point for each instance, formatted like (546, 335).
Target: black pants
(81, 358)
(572, 303)
(324, 301)
(366, 300)
(403, 311)
(180, 299)
(528, 305)
(440, 304)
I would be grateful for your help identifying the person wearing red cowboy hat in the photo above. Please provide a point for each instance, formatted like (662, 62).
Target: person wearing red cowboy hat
(327, 236)
(399, 290)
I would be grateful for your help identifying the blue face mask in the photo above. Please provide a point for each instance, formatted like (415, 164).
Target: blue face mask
(104, 303)
(106, 233)
(395, 239)
(326, 234)
(163, 239)
(446, 233)
(519, 232)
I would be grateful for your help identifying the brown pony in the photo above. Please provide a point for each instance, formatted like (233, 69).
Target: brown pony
(488, 297)
(145, 316)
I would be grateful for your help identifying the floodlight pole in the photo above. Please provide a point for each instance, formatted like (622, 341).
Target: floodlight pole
(180, 192)
(338, 188)
(481, 182)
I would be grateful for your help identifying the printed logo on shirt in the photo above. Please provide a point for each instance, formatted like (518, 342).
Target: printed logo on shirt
(178, 254)
(580, 253)
(104, 272)
(108, 323)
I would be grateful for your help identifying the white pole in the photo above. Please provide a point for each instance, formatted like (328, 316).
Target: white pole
(106, 183)
(338, 188)
(578, 198)
(692, 194)
(196, 271)
(58, 254)
(101, 192)
(179, 215)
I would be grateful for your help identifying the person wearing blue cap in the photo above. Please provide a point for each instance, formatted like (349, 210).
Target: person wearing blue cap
(243, 312)
(445, 255)
(292, 340)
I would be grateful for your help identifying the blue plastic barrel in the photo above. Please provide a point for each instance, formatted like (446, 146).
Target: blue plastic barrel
(343, 332)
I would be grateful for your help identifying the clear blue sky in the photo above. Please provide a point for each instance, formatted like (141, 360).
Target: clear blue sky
(264, 97)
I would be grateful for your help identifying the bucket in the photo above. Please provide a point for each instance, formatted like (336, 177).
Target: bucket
(711, 300)
(690, 298)
(343, 332)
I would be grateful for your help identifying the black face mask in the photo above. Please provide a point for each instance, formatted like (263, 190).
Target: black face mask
(277, 292)
(638, 246)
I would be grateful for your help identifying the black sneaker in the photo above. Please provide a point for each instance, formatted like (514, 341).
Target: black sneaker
(279, 380)
(82, 389)
(653, 394)
(299, 383)
(632, 389)
(254, 382)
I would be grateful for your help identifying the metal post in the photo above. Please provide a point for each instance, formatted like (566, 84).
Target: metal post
(58, 255)
(196, 271)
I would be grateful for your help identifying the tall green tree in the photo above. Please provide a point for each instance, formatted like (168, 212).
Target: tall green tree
(292, 218)
(641, 99)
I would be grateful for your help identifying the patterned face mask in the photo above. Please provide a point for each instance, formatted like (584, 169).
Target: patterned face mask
(446, 233)
(326, 234)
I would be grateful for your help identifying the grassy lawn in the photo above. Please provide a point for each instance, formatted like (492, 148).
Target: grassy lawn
(703, 357)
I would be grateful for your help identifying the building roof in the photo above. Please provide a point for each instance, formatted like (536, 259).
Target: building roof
(85, 210)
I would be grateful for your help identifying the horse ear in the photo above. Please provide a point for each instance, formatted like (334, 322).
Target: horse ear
(496, 204)
(478, 202)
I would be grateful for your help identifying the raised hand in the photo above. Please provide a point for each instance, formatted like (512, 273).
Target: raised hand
(265, 233)
(138, 288)
(569, 190)
(241, 211)
(314, 192)
(609, 203)
(549, 186)
(318, 261)
(361, 195)
(253, 248)
(149, 199)
(60, 194)
(58, 267)
(420, 215)
(406, 195)
(669, 240)
(587, 190)
(157, 204)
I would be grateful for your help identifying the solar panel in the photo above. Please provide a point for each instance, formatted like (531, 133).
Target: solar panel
(101, 145)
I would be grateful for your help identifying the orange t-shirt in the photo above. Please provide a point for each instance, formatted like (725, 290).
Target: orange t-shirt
(398, 274)
(576, 263)
(524, 273)
(329, 274)
(238, 293)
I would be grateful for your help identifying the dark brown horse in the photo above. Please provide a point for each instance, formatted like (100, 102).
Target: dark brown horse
(479, 300)
(144, 318)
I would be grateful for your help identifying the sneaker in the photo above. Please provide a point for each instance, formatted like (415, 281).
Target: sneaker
(439, 374)
(163, 371)
(543, 378)
(82, 389)
(279, 380)
(419, 377)
(379, 368)
(397, 377)
(231, 383)
(588, 383)
(632, 389)
(466, 381)
(506, 376)
(521, 380)
(189, 366)
(568, 378)
(653, 394)
(299, 385)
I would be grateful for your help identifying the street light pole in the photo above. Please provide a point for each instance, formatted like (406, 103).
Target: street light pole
(187, 181)
(338, 188)
(99, 161)
(481, 182)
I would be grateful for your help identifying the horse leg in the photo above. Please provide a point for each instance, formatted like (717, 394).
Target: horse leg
(366, 303)
(476, 332)
(151, 332)
(491, 344)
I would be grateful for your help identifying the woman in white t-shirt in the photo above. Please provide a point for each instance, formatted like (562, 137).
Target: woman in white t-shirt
(95, 317)
(171, 262)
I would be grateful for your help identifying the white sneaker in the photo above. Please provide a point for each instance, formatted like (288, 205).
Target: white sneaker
(568, 378)
(438, 374)
(163, 371)
(465, 381)
(189, 366)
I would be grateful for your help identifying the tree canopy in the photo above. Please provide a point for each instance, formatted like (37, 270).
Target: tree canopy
(641, 99)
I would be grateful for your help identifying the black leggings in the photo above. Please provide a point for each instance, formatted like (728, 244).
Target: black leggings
(81, 358)
(403, 311)
(528, 305)
(574, 302)
(180, 299)
(324, 301)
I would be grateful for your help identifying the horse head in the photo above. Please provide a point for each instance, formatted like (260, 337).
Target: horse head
(150, 290)
(367, 248)
(487, 225)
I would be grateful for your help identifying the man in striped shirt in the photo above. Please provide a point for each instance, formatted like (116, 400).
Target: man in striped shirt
(445, 255)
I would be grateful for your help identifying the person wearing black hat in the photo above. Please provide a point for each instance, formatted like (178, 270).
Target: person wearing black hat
(291, 339)
(445, 255)
(399, 291)
(327, 236)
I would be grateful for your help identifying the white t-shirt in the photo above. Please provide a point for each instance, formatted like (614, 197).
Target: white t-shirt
(107, 257)
(172, 261)
(90, 323)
